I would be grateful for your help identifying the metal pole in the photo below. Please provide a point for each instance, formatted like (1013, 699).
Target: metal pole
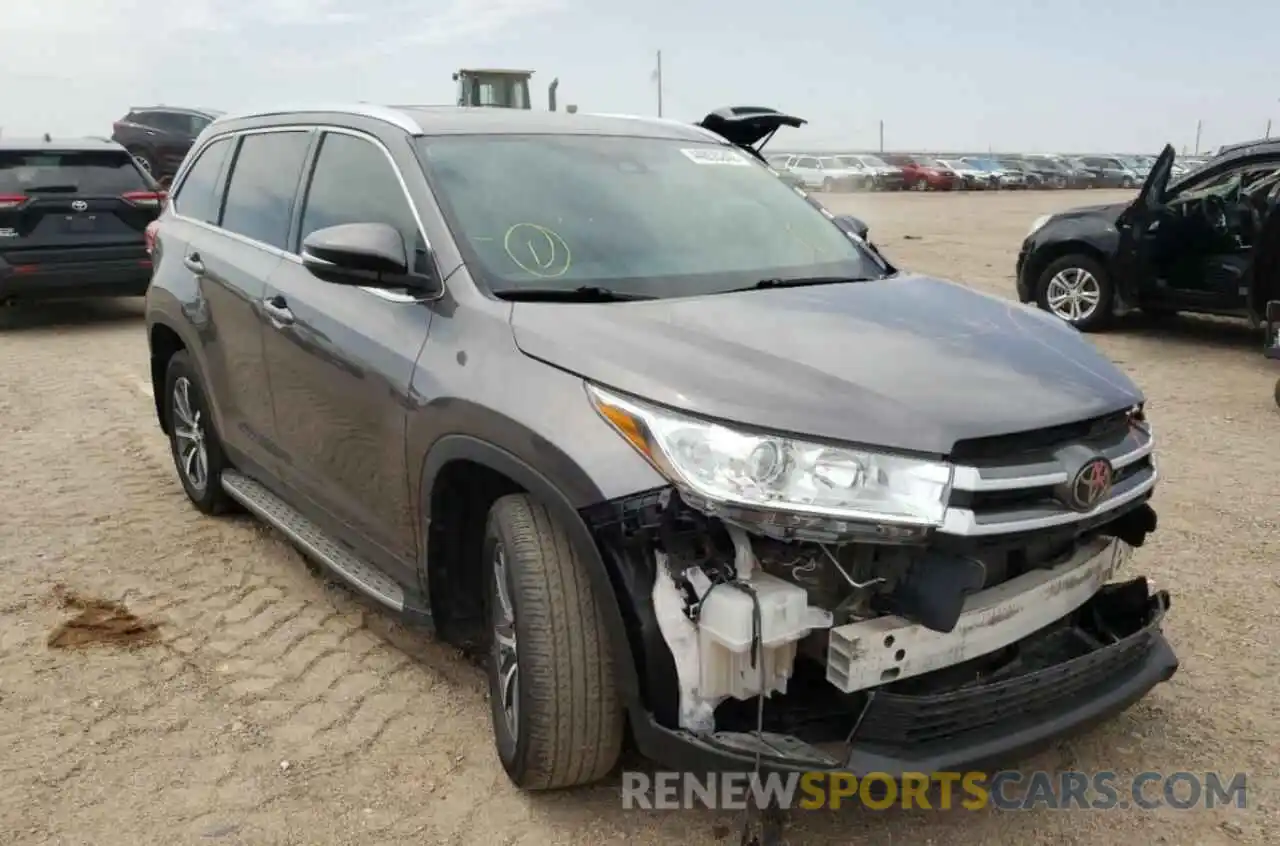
(882, 136)
(1199, 124)
(1268, 127)
(659, 83)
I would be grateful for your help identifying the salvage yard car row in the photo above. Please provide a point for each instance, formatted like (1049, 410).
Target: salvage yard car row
(965, 171)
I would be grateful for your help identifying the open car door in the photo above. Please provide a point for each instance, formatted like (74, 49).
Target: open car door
(749, 127)
(1137, 227)
(1264, 275)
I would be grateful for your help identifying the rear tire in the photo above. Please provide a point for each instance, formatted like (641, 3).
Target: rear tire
(1077, 273)
(566, 726)
(144, 161)
(193, 441)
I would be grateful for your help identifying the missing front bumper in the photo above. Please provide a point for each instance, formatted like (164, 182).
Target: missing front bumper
(1038, 697)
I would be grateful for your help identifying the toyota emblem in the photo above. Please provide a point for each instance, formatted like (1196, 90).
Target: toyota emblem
(1091, 485)
(79, 205)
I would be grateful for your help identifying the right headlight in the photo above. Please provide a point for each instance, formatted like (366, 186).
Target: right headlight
(1038, 223)
(730, 466)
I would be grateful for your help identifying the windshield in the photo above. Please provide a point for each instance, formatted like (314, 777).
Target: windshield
(643, 216)
(852, 162)
(872, 161)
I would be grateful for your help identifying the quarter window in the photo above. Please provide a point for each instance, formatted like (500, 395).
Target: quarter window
(200, 194)
(353, 182)
(264, 182)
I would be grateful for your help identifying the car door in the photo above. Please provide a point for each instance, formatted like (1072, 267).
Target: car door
(1138, 229)
(341, 358)
(233, 264)
(224, 278)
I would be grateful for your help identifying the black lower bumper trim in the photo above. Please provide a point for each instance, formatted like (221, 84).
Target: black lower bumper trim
(988, 746)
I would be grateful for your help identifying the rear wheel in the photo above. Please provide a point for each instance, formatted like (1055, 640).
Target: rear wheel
(1078, 289)
(557, 716)
(197, 451)
(143, 159)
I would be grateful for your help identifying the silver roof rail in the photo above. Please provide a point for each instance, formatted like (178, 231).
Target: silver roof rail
(369, 110)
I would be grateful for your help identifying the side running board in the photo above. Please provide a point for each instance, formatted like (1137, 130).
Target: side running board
(313, 541)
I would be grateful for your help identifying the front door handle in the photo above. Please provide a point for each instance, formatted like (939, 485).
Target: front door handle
(193, 263)
(278, 311)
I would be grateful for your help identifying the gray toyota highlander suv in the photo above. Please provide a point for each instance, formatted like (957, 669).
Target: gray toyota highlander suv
(603, 399)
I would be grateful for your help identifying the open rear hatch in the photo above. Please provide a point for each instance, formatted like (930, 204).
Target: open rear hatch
(71, 206)
(750, 127)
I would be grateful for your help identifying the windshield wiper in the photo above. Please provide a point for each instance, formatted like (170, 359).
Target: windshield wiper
(585, 294)
(806, 281)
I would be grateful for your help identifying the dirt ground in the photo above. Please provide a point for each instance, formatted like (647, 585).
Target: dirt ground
(274, 709)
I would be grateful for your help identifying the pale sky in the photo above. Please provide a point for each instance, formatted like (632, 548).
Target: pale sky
(1091, 75)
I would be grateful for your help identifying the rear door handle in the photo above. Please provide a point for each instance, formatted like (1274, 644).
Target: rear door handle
(278, 311)
(192, 262)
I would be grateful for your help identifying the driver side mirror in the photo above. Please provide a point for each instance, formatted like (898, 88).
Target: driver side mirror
(852, 225)
(368, 255)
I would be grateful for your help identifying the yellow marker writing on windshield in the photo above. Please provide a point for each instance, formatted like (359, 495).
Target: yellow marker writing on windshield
(537, 250)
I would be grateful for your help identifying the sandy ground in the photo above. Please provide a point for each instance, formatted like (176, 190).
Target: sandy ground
(273, 709)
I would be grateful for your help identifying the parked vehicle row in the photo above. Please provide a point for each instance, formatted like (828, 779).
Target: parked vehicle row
(966, 172)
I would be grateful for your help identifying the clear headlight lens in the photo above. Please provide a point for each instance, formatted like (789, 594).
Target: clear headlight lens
(1037, 223)
(768, 472)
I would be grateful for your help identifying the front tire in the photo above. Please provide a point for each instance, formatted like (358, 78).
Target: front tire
(557, 716)
(193, 441)
(1077, 289)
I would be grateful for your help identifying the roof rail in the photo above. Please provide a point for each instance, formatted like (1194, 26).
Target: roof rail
(386, 114)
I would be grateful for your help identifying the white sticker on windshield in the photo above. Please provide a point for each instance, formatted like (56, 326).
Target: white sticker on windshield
(712, 156)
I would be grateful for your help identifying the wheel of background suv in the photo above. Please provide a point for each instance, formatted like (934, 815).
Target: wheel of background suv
(1077, 289)
(1126, 183)
(197, 452)
(557, 716)
(143, 160)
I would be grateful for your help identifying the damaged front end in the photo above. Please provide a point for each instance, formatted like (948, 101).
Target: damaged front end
(805, 641)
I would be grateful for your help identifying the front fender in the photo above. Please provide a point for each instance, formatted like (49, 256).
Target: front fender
(458, 447)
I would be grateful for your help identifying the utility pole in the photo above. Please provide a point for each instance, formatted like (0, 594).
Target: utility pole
(1199, 124)
(1268, 128)
(657, 74)
(882, 136)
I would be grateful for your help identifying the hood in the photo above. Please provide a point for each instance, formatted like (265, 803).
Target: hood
(909, 363)
(1109, 212)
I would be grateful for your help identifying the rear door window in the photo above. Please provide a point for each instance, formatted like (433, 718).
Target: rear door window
(264, 183)
(105, 173)
(200, 195)
(354, 182)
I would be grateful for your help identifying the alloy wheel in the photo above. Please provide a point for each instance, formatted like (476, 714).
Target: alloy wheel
(1073, 294)
(506, 656)
(189, 436)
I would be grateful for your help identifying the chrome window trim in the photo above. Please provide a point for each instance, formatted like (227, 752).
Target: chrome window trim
(389, 296)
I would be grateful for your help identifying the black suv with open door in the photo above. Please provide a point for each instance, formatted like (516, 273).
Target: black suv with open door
(73, 220)
(1194, 245)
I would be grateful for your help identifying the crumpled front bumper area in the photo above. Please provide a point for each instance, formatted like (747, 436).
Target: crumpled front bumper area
(1097, 661)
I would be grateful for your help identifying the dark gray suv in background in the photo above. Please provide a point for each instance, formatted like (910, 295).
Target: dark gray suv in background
(606, 400)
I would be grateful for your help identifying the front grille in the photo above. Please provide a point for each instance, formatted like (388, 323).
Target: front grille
(1018, 483)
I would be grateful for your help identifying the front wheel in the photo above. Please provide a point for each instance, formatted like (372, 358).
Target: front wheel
(1078, 289)
(557, 716)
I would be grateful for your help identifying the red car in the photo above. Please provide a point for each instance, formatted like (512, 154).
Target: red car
(921, 173)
